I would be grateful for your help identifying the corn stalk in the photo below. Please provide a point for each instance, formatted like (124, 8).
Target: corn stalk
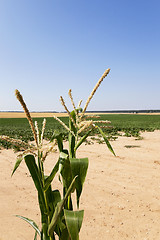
(58, 215)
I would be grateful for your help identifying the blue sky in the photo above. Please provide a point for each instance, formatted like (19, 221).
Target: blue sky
(48, 47)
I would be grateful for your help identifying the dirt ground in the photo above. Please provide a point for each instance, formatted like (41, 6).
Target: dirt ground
(121, 195)
(50, 114)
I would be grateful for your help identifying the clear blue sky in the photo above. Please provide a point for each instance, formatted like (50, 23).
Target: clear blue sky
(48, 47)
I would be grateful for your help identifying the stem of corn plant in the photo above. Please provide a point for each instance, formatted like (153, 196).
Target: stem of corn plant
(49, 220)
(41, 170)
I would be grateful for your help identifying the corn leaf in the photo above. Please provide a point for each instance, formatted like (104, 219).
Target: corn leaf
(50, 201)
(106, 140)
(53, 197)
(65, 170)
(45, 232)
(56, 197)
(74, 222)
(82, 140)
(44, 217)
(79, 168)
(19, 160)
(66, 174)
(51, 176)
(58, 135)
(31, 222)
(33, 169)
(35, 236)
(71, 138)
(59, 208)
(65, 235)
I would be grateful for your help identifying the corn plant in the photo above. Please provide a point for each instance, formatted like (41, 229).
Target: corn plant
(59, 218)
(80, 125)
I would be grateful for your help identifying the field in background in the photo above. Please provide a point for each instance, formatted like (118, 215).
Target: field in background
(50, 114)
(34, 114)
(128, 124)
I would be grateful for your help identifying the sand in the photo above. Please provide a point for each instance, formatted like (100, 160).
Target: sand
(121, 195)
(57, 114)
(33, 115)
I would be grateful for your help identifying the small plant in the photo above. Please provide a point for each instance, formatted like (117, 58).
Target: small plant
(59, 218)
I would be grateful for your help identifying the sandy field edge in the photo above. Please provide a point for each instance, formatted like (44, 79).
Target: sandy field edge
(50, 114)
(121, 195)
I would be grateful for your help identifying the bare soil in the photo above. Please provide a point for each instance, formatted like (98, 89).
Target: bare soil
(50, 114)
(121, 195)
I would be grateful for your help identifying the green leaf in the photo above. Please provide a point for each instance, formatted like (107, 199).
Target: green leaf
(65, 170)
(65, 235)
(52, 197)
(45, 232)
(106, 140)
(82, 140)
(49, 200)
(56, 197)
(19, 160)
(74, 222)
(51, 176)
(59, 208)
(79, 168)
(44, 217)
(71, 138)
(66, 173)
(31, 222)
(58, 135)
(33, 169)
(35, 236)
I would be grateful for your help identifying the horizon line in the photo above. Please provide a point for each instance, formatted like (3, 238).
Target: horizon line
(91, 111)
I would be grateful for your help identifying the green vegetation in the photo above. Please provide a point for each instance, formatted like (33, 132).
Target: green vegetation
(130, 124)
(61, 218)
(19, 128)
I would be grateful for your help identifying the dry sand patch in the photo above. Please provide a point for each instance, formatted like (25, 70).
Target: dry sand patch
(34, 114)
(50, 114)
(121, 196)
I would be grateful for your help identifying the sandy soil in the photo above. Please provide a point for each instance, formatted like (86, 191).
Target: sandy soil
(49, 114)
(34, 114)
(121, 195)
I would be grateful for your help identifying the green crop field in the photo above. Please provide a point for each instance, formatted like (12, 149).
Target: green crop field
(130, 124)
